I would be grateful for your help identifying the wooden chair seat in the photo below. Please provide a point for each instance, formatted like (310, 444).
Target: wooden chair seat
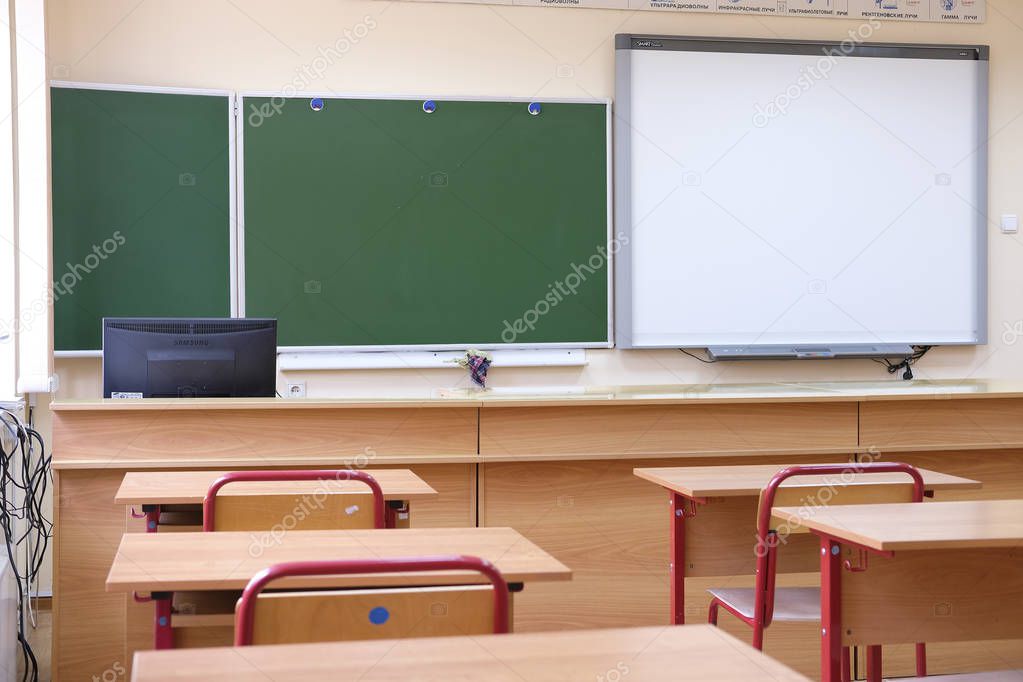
(791, 604)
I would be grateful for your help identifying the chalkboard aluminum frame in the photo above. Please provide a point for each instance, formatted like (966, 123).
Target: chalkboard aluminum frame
(627, 43)
(305, 95)
(232, 177)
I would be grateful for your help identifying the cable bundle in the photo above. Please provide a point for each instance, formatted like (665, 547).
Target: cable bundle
(906, 364)
(24, 477)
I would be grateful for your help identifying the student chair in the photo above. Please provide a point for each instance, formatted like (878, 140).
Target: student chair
(765, 603)
(206, 618)
(318, 510)
(334, 615)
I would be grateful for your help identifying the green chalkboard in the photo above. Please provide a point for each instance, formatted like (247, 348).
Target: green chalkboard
(141, 208)
(373, 223)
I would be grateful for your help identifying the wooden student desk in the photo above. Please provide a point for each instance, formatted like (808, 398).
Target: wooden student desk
(697, 653)
(713, 512)
(152, 489)
(934, 572)
(162, 563)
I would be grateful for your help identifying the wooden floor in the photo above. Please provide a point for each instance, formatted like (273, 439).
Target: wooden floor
(39, 638)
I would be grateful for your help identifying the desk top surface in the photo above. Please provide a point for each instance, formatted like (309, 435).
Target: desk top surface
(835, 391)
(746, 480)
(691, 653)
(189, 487)
(930, 525)
(226, 561)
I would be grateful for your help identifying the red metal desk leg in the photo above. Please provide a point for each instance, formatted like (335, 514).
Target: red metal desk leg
(152, 513)
(874, 663)
(831, 611)
(678, 558)
(163, 635)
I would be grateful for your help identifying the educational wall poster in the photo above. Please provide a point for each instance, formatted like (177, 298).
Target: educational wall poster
(947, 11)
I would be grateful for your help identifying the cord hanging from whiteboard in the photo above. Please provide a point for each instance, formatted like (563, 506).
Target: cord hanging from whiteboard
(906, 364)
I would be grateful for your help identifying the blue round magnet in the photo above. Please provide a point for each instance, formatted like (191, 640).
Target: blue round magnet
(429, 106)
(379, 615)
(534, 108)
(316, 104)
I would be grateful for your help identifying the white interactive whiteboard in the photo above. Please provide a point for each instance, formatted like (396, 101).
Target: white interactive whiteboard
(788, 192)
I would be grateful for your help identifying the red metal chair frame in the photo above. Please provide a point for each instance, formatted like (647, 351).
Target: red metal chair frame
(246, 611)
(209, 503)
(767, 546)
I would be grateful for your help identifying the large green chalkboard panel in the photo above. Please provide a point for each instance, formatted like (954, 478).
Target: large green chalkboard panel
(372, 223)
(141, 208)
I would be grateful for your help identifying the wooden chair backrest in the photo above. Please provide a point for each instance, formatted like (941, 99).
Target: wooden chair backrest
(333, 511)
(344, 615)
(810, 497)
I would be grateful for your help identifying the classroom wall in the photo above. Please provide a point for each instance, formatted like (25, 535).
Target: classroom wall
(446, 49)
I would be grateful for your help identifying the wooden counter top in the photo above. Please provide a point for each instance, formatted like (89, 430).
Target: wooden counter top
(842, 391)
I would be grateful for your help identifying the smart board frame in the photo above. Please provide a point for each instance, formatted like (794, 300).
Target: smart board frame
(626, 44)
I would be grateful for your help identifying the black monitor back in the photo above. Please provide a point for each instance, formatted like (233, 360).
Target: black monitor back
(189, 358)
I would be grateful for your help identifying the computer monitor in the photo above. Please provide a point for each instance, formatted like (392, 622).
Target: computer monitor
(189, 358)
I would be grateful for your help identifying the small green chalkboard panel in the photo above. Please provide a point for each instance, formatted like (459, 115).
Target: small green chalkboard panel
(373, 223)
(141, 208)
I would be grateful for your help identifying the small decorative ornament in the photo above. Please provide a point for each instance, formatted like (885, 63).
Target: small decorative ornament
(477, 362)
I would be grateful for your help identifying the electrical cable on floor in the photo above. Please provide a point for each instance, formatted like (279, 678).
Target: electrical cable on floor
(24, 479)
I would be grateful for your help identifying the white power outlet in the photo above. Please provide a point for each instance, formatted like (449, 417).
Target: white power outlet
(296, 389)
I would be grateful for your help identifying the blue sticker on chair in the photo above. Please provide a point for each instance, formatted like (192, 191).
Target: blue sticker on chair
(379, 615)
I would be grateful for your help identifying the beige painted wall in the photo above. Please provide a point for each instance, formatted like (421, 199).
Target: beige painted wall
(513, 51)
(467, 49)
